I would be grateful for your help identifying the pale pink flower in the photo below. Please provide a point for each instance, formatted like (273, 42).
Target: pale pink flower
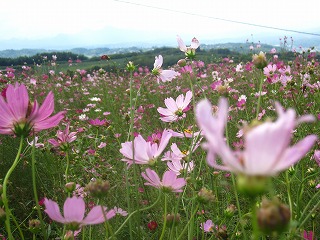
(63, 137)
(316, 156)
(120, 211)
(175, 108)
(19, 116)
(169, 182)
(144, 152)
(207, 226)
(163, 75)
(194, 45)
(179, 166)
(267, 149)
(35, 143)
(74, 210)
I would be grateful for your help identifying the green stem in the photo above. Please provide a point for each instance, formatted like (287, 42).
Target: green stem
(67, 167)
(4, 193)
(259, 99)
(18, 227)
(238, 205)
(191, 219)
(254, 220)
(35, 193)
(289, 194)
(134, 212)
(165, 217)
(315, 196)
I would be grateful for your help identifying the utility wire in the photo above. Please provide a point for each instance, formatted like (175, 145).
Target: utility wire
(220, 19)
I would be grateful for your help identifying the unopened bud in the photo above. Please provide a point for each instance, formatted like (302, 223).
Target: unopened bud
(230, 210)
(273, 216)
(205, 196)
(222, 232)
(2, 215)
(70, 187)
(34, 225)
(182, 63)
(98, 188)
(173, 219)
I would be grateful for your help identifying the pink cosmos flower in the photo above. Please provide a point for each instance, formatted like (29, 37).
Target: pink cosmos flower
(175, 108)
(74, 210)
(189, 51)
(98, 122)
(316, 156)
(19, 116)
(169, 182)
(144, 152)
(63, 137)
(178, 166)
(207, 226)
(267, 149)
(163, 75)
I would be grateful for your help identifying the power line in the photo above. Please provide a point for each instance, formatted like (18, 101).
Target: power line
(220, 19)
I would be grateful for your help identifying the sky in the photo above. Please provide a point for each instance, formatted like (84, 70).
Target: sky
(132, 20)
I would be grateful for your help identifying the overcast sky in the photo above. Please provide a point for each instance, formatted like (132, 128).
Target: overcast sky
(36, 19)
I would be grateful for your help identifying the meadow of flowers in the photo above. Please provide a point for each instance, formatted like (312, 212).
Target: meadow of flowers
(225, 150)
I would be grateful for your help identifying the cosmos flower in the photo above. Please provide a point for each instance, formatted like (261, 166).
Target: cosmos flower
(144, 152)
(74, 210)
(163, 75)
(267, 149)
(169, 182)
(63, 138)
(19, 116)
(190, 52)
(175, 108)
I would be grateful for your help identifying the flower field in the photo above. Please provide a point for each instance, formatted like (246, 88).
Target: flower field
(223, 150)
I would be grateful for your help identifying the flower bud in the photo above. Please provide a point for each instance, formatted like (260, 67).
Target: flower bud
(273, 216)
(222, 232)
(173, 219)
(205, 196)
(70, 187)
(260, 60)
(98, 188)
(2, 215)
(34, 225)
(152, 225)
(182, 63)
(230, 210)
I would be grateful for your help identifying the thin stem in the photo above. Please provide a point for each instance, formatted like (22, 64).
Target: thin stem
(315, 196)
(289, 194)
(254, 220)
(191, 219)
(67, 167)
(259, 98)
(4, 193)
(165, 217)
(35, 193)
(134, 212)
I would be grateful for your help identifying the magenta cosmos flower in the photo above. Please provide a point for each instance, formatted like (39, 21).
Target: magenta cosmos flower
(19, 116)
(144, 152)
(170, 182)
(267, 149)
(163, 75)
(175, 108)
(63, 138)
(74, 210)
